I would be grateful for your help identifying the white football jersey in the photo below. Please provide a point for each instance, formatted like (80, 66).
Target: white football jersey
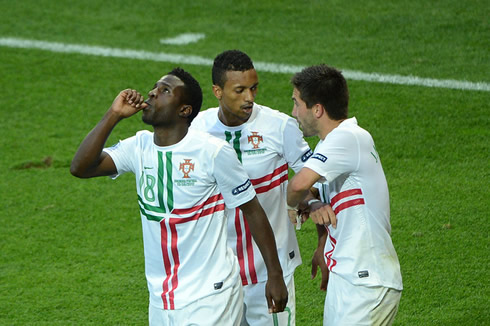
(267, 144)
(182, 192)
(360, 249)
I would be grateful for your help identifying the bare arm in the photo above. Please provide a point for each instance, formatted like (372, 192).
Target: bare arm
(300, 185)
(299, 188)
(276, 291)
(318, 259)
(89, 160)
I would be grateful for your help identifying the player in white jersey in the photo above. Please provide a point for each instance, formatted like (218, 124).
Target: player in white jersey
(184, 180)
(365, 282)
(267, 143)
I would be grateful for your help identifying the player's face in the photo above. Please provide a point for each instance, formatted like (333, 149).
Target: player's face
(164, 102)
(304, 115)
(237, 97)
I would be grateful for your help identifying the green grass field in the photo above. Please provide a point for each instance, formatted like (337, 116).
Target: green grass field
(71, 250)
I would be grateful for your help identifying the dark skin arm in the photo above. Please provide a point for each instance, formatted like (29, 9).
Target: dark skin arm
(275, 290)
(318, 259)
(90, 161)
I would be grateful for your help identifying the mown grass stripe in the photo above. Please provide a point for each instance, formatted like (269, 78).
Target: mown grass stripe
(261, 66)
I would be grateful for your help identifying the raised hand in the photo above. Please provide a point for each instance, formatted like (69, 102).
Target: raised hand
(127, 103)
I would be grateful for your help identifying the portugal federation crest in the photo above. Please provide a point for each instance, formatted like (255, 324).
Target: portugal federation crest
(186, 167)
(255, 139)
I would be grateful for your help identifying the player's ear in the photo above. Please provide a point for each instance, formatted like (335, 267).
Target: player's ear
(318, 110)
(185, 111)
(218, 92)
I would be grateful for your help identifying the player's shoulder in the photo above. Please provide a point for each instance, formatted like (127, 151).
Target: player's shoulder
(271, 113)
(275, 122)
(349, 127)
(205, 116)
(144, 133)
(143, 136)
(348, 133)
(207, 140)
(272, 119)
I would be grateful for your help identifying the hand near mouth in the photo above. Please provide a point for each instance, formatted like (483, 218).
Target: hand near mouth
(127, 103)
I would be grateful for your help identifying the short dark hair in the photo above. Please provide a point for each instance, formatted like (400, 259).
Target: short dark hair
(193, 91)
(231, 60)
(325, 85)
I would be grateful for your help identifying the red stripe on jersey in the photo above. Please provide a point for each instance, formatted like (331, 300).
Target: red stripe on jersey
(269, 177)
(328, 255)
(166, 263)
(175, 255)
(250, 253)
(345, 194)
(168, 295)
(205, 212)
(239, 246)
(273, 184)
(347, 204)
(182, 211)
(248, 249)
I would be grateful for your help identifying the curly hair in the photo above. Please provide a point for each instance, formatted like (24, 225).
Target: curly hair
(231, 60)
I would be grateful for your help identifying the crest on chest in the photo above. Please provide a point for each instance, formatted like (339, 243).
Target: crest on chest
(255, 139)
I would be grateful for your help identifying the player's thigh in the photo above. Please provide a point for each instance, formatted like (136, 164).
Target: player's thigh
(384, 313)
(348, 304)
(223, 308)
(256, 311)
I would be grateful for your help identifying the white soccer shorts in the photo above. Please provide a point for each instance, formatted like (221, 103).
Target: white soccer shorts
(348, 304)
(224, 308)
(256, 312)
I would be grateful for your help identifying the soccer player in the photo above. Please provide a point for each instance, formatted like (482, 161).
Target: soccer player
(365, 282)
(267, 143)
(184, 179)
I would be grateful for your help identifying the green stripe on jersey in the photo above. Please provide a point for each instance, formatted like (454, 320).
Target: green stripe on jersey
(236, 142)
(160, 181)
(227, 136)
(156, 209)
(170, 182)
(150, 216)
(164, 170)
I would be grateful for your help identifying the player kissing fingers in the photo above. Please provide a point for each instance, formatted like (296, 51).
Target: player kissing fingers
(134, 98)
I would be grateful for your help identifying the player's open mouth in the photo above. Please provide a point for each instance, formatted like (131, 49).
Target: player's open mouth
(247, 109)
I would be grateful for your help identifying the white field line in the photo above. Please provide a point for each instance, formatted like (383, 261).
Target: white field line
(183, 39)
(261, 66)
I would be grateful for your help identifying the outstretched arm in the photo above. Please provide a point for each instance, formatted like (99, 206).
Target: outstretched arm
(89, 160)
(276, 291)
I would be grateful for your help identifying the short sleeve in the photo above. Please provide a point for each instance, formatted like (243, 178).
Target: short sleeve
(233, 182)
(338, 154)
(296, 149)
(122, 154)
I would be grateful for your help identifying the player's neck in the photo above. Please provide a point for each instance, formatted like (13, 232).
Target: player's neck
(230, 120)
(167, 136)
(328, 126)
